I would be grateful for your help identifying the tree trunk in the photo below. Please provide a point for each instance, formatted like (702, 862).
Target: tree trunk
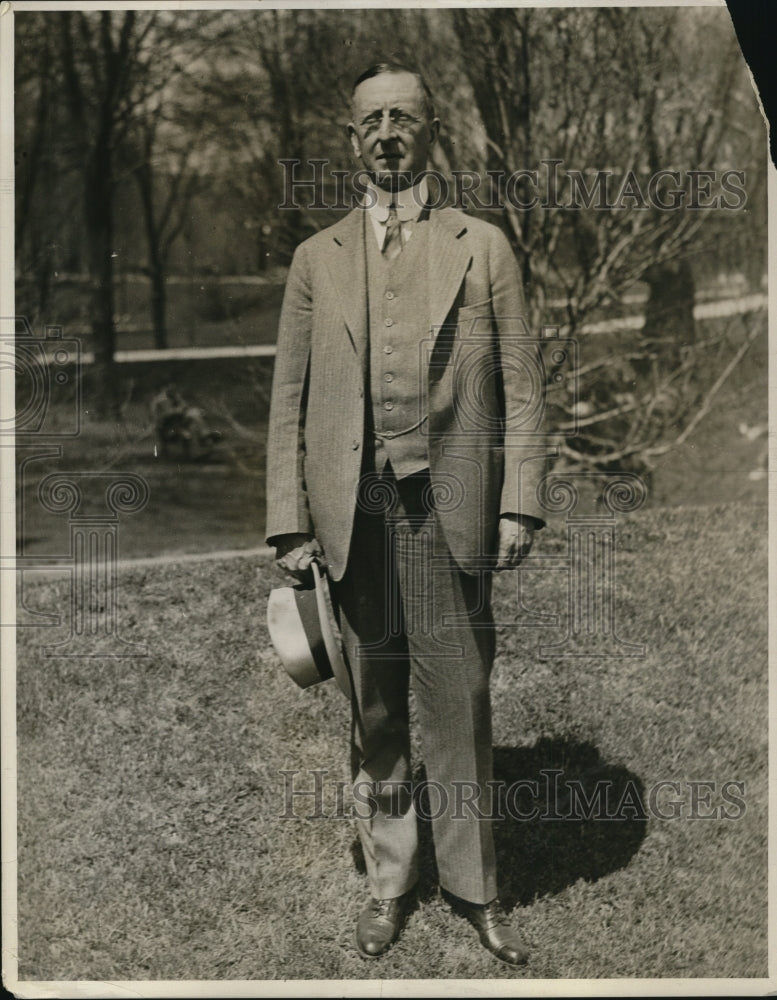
(158, 303)
(156, 265)
(99, 219)
(669, 322)
(33, 156)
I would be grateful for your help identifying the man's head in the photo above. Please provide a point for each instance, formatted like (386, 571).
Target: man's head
(393, 126)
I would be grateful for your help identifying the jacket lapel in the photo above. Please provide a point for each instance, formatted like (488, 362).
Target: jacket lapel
(449, 258)
(447, 265)
(347, 269)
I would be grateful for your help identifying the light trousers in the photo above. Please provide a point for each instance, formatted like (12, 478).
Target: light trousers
(408, 614)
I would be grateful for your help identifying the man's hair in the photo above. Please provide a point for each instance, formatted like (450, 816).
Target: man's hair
(377, 69)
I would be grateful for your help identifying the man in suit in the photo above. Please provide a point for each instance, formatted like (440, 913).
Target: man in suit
(400, 454)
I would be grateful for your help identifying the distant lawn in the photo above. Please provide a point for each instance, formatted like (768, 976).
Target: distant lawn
(220, 503)
(150, 843)
(194, 506)
(201, 310)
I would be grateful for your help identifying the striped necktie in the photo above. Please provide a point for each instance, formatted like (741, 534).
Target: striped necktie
(392, 245)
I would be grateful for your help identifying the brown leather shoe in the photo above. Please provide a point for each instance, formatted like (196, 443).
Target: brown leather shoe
(495, 930)
(379, 925)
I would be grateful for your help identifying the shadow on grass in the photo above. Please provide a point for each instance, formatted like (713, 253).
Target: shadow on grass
(572, 816)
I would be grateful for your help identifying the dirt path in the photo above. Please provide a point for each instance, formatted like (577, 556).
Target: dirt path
(261, 551)
(43, 571)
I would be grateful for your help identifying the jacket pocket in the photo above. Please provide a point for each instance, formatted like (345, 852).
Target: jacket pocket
(474, 318)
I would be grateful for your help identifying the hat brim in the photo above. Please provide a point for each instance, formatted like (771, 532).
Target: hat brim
(305, 636)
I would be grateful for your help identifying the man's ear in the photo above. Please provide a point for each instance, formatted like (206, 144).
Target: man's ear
(434, 131)
(353, 135)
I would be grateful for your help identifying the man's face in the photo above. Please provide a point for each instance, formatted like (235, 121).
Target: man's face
(390, 132)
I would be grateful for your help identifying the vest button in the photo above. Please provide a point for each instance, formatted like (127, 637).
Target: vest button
(388, 321)
(388, 377)
(388, 349)
(355, 445)
(388, 406)
(389, 295)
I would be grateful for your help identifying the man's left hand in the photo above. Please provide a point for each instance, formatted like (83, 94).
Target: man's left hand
(516, 533)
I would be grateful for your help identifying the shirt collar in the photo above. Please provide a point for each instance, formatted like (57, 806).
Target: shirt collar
(409, 203)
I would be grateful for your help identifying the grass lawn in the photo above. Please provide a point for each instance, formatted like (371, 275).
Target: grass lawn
(150, 795)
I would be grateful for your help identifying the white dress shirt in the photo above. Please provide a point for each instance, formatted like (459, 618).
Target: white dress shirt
(409, 204)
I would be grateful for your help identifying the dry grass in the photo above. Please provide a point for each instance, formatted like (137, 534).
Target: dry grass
(150, 842)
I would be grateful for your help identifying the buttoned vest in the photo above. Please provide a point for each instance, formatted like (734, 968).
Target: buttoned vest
(398, 309)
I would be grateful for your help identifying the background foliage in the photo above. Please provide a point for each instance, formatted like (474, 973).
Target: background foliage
(159, 163)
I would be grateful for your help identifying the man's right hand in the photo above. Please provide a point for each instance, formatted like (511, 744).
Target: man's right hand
(294, 553)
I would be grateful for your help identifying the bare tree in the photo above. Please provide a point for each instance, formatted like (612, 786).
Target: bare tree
(161, 149)
(178, 104)
(101, 57)
(119, 70)
(274, 86)
(164, 201)
(39, 166)
(603, 97)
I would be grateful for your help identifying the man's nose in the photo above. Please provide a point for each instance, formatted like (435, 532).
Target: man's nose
(386, 130)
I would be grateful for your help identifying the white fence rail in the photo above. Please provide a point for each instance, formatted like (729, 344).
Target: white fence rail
(704, 310)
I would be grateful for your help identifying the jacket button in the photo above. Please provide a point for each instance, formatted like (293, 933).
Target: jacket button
(355, 445)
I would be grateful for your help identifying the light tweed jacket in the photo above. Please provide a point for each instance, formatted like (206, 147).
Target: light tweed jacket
(486, 452)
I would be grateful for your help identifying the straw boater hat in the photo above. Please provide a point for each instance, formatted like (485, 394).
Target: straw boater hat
(304, 634)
